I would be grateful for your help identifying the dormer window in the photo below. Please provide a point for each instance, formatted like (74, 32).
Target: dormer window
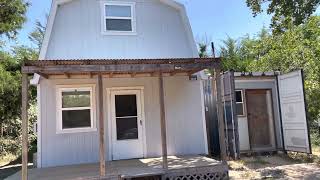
(118, 18)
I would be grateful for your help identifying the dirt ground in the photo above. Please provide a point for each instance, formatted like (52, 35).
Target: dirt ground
(272, 167)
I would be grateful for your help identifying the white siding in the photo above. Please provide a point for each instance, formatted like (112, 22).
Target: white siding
(184, 115)
(76, 33)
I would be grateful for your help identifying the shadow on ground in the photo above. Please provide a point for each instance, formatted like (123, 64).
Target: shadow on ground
(14, 166)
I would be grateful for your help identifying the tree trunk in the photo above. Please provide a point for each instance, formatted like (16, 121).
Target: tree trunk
(1, 130)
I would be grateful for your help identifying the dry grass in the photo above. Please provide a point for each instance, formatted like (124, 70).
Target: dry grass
(273, 167)
(7, 159)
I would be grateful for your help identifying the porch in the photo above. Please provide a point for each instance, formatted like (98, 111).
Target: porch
(104, 69)
(194, 167)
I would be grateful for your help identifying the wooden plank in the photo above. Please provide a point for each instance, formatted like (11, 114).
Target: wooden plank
(119, 68)
(67, 75)
(163, 124)
(43, 75)
(217, 81)
(101, 128)
(24, 118)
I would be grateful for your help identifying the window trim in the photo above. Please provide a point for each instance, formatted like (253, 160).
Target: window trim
(104, 30)
(66, 88)
(242, 102)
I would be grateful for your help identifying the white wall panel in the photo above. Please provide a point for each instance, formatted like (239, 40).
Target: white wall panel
(76, 33)
(184, 115)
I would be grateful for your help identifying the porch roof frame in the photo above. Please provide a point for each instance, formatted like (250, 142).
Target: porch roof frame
(119, 66)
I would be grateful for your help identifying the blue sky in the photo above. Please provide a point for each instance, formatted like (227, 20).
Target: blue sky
(213, 20)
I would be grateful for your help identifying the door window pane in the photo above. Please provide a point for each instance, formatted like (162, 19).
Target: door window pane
(126, 105)
(75, 99)
(118, 24)
(76, 118)
(239, 108)
(238, 96)
(127, 128)
(118, 11)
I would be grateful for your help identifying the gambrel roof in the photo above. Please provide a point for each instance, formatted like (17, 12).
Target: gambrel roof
(172, 3)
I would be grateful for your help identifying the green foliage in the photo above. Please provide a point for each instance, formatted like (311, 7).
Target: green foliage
(285, 13)
(10, 95)
(12, 16)
(203, 52)
(296, 48)
(10, 100)
(37, 35)
(10, 89)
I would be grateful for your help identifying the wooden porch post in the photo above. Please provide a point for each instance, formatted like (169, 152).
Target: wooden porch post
(217, 81)
(24, 118)
(101, 128)
(163, 124)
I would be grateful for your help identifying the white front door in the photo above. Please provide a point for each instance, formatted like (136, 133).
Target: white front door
(126, 124)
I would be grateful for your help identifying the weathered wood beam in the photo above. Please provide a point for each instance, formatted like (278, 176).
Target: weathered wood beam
(101, 128)
(133, 75)
(67, 74)
(194, 71)
(217, 81)
(24, 118)
(119, 68)
(163, 124)
(43, 75)
(154, 74)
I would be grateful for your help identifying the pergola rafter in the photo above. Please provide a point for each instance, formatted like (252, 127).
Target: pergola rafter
(104, 66)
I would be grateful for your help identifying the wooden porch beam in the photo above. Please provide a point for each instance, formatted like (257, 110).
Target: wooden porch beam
(101, 128)
(163, 124)
(67, 74)
(118, 68)
(91, 75)
(133, 75)
(24, 118)
(43, 75)
(217, 81)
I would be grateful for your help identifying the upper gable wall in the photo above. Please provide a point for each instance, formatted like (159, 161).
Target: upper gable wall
(76, 33)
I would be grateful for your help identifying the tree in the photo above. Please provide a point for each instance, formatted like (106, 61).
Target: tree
(203, 52)
(10, 93)
(285, 13)
(12, 17)
(296, 48)
(37, 35)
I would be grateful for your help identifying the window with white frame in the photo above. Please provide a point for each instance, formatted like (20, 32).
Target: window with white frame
(75, 109)
(118, 17)
(240, 103)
